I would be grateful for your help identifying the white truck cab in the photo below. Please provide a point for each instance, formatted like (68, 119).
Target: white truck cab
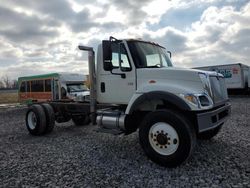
(138, 72)
(134, 86)
(73, 86)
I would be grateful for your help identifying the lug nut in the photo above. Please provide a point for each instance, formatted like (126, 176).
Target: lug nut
(175, 141)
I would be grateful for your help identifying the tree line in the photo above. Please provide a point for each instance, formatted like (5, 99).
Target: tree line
(7, 83)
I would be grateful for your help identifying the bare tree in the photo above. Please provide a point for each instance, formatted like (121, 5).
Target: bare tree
(14, 84)
(1, 84)
(6, 81)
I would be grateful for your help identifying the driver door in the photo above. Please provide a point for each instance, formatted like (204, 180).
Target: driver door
(118, 86)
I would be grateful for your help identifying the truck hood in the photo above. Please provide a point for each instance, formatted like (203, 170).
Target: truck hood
(170, 79)
(79, 96)
(170, 73)
(79, 93)
(174, 73)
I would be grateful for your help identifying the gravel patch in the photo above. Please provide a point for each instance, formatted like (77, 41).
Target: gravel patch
(74, 156)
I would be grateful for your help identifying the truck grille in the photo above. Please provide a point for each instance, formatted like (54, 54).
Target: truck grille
(219, 90)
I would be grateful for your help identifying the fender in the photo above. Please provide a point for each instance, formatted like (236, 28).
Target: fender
(162, 95)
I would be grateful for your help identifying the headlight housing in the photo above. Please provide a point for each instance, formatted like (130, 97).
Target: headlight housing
(199, 101)
(206, 83)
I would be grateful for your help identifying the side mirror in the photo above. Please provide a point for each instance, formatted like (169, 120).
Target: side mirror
(107, 65)
(106, 48)
(107, 55)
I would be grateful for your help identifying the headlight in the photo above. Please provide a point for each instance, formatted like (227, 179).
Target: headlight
(192, 99)
(199, 101)
(206, 83)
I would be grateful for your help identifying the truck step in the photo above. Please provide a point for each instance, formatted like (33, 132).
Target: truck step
(110, 131)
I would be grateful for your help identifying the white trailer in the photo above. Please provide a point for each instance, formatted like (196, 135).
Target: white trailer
(236, 75)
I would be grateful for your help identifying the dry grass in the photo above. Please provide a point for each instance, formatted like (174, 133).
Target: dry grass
(8, 98)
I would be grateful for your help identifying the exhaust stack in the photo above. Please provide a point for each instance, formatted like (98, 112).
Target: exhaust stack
(92, 79)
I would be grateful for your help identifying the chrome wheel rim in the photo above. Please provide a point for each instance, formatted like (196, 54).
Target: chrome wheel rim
(163, 138)
(32, 120)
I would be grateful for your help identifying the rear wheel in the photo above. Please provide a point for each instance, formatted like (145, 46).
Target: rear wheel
(167, 137)
(80, 120)
(50, 117)
(36, 120)
(207, 135)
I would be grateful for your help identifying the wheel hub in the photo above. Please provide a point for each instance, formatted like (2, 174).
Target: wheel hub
(32, 120)
(163, 138)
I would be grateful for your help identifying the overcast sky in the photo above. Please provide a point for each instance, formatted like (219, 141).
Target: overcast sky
(40, 36)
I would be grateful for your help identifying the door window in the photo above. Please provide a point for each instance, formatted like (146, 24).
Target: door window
(125, 64)
(120, 57)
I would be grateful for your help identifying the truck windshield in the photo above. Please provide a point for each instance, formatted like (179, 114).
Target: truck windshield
(147, 55)
(76, 88)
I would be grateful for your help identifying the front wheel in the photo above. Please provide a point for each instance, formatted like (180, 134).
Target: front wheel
(167, 137)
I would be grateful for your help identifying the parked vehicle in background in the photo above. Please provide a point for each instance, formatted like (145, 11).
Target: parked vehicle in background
(53, 86)
(236, 75)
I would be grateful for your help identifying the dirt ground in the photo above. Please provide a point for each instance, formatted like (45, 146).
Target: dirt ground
(73, 156)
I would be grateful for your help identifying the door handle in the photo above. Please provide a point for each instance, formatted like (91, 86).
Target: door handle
(102, 87)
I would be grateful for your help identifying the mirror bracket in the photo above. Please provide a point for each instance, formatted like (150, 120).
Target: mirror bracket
(170, 54)
(123, 75)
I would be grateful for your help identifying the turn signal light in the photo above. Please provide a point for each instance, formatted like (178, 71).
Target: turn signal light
(151, 81)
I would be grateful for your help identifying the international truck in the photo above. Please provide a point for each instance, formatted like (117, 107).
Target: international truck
(236, 75)
(52, 86)
(134, 86)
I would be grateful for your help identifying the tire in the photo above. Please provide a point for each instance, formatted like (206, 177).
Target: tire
(167, 137)
(35, 120)
(50, 118)
(209, 134)
(80, 120)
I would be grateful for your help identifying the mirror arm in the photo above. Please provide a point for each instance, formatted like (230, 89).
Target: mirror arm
(123, 75)
(170, 54)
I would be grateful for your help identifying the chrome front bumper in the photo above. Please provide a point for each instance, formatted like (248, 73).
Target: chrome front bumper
(212, 119)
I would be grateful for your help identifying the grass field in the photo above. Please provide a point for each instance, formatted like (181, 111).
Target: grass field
(11, 97)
